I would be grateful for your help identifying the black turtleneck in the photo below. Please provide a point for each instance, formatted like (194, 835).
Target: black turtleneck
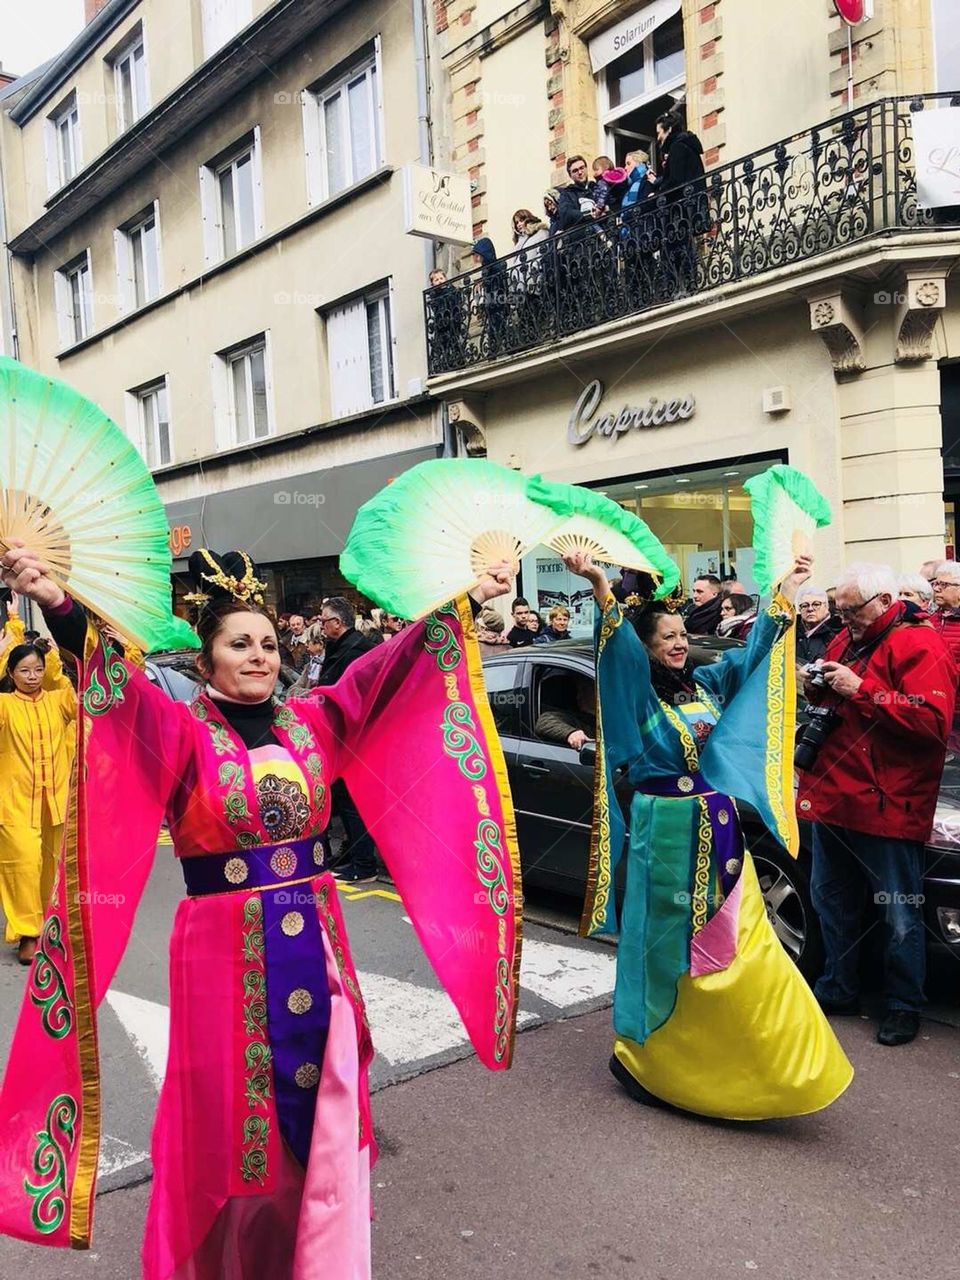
(252, 722)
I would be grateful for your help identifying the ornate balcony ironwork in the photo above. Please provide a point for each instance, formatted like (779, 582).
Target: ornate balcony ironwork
(830, 186)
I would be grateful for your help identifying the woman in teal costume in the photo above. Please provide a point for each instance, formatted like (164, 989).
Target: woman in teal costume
(710, 1014)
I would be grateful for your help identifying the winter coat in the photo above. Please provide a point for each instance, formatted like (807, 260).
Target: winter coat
(703, 619)
(340, 653)
(947, 623)
(638, 189)
(812, 644)
(575, 207)
(878, 771)
(681, 166)
(530, 238)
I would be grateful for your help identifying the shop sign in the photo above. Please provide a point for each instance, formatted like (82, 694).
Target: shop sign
(655, 413)
(617, 40)
(437, 205)
(936, 135)
(181, 538)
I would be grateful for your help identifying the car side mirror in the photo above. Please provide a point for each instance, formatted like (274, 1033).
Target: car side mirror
(588, 754)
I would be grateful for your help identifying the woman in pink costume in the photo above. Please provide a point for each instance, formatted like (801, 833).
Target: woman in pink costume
(263, 1143)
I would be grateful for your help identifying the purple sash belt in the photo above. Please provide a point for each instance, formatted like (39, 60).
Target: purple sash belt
(298, 995)
(727, 837)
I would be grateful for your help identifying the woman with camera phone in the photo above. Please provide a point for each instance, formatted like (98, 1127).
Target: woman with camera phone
(710, 1014)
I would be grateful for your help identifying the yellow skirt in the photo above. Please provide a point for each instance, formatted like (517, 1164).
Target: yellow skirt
(28, 863)
(748, 1042)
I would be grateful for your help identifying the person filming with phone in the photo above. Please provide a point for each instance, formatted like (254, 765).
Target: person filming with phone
(869, 760)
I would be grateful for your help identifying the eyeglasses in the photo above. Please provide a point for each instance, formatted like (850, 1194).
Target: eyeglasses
(851, 611)
(812, 604)
(943, 582)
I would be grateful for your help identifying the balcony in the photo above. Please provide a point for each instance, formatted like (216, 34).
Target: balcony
(849, 180)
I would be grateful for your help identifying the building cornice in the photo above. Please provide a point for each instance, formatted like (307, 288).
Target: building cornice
(248, 57)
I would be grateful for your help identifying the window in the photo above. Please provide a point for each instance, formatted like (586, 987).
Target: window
(360, 354)
(63, 143)
(151, 406)
(74, 297)
(232, 198)
(500, 681)
(243, 393)
(130, 81)
(138, 259)
(343, 130)
(222, 19)
(640, 84)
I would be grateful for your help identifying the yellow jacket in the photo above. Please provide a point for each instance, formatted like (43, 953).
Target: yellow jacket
(36, 749)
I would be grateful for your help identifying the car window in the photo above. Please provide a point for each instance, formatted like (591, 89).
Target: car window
(563, 702)
(505, 699)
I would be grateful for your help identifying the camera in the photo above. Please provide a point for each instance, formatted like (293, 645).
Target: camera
(814, 674)
(822, 722)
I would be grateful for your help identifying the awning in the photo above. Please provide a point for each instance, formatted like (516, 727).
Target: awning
(631, 31)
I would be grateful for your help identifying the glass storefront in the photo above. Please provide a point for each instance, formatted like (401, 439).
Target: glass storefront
(702, 518)
(297, 587)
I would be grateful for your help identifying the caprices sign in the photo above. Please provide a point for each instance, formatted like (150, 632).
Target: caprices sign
(655, 413)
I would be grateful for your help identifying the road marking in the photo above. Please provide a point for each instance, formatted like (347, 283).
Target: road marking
(565, 975)
(148, 1026)
(115, 1154)
(354, 895)
(408, 1023)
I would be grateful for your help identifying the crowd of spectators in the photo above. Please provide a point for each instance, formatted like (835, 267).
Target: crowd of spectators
(609, 228)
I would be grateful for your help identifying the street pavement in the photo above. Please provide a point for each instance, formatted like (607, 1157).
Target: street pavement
(549, 1170)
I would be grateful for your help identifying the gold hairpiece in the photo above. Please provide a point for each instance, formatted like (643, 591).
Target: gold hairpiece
(247, 589)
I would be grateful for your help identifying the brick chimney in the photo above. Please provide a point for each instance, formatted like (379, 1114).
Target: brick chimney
(91, 8)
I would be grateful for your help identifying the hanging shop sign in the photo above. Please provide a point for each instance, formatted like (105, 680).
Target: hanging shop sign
(936, 152)
(585, 422)
(437, 205)
(619, 39)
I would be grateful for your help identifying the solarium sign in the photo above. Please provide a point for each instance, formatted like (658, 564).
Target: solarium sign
(584, 421)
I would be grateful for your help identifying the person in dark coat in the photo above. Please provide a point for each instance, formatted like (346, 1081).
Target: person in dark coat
(816, 627)
(493, 303)
(344, 644)
(703, 617)
(684, 211)
(446, 304)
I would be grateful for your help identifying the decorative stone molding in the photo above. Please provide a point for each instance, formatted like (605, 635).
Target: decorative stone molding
(834, 320)
(924, 298)
(467, 419)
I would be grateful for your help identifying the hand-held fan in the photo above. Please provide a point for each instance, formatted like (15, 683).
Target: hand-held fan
(786, 507)
(433, 532)
(77, 492)
(603, 529)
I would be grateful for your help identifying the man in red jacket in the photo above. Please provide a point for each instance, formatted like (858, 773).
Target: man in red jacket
(889, 684)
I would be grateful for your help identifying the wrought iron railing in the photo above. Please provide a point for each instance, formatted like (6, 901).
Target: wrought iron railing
(830, 186)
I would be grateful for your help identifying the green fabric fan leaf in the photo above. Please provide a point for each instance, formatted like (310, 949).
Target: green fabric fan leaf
(596, 524)
(431, 534)
(77, 492)
(787, 508)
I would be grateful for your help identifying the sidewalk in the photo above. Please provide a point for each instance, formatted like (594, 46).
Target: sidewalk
(550, 1171)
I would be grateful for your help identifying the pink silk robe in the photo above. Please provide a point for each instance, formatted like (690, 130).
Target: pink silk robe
(409, 730)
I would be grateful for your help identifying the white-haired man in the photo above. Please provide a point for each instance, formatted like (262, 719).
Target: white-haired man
(869, 780)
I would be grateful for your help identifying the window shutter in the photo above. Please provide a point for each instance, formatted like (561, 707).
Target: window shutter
(312, 146)
(121, 246)
(348, 358)
(212, 238)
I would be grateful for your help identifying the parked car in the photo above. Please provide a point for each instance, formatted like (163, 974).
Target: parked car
(553, 798)
(177, 675)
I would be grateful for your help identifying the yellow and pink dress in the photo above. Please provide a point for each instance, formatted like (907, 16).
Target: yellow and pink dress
(710, 1014)
(263, 1141)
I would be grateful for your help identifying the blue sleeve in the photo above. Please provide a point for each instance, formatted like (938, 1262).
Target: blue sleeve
(724, 679)
(624, 691)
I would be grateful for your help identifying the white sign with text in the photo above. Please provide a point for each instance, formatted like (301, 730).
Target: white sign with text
(437, 205)
(936, 150)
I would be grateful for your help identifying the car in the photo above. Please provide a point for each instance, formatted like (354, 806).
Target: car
(553, 784)
(177, 675)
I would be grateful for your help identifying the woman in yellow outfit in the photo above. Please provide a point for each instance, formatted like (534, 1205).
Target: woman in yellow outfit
(36, 750)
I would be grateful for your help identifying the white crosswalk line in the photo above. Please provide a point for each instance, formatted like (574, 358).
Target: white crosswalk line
(565, 975)
(148, 1026)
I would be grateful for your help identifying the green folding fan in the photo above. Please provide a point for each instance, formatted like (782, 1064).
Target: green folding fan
(600, 527)
(787, 508)
(77, 492)
(433, 532)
